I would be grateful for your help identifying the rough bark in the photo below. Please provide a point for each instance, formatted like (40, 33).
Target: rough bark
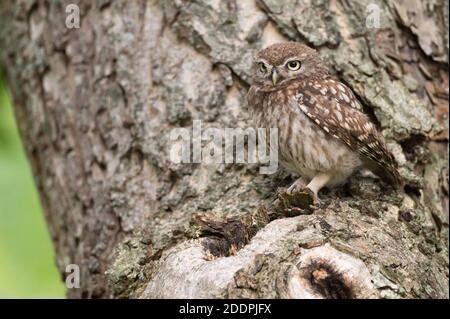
(96, 105)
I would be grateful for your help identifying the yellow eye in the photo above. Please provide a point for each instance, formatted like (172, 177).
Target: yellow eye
(262, 67)
(293, 65)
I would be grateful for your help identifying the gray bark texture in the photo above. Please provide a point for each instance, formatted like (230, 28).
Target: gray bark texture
(96, 106)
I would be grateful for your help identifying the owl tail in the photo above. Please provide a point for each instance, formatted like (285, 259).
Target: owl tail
(386, 171)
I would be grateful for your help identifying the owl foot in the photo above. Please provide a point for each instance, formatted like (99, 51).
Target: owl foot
(295, 202)
(300, 183)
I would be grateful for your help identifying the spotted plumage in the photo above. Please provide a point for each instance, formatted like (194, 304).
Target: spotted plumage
(324, 135)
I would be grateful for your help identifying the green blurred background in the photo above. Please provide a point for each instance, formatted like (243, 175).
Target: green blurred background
(27, 266)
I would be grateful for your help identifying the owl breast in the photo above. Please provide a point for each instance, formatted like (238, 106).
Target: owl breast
(303, 147)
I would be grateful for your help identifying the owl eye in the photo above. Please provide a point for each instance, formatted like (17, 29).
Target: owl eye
(293, 65)
(262, 67)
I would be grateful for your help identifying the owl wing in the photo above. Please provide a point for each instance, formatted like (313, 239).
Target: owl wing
(335, 109)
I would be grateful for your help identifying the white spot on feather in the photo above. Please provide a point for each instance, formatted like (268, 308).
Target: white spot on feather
(345, 97)
(338, 115)
(303, 108)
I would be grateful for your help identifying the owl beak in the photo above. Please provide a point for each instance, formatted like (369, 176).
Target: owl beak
(274, 77)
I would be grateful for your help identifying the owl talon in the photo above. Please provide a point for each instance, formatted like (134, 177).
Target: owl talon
(297, 185)
(318, 203)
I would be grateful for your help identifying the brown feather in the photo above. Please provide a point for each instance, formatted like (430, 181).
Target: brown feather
(346, 122)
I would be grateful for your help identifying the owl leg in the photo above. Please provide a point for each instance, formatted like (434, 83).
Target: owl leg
(298, 184)
(319, 181)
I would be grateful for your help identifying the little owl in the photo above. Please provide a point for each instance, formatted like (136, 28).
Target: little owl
(323, 134)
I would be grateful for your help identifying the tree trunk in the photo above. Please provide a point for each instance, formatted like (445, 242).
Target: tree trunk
(96, 107)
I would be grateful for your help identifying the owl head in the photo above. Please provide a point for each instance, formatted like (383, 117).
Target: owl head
(280, 64)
